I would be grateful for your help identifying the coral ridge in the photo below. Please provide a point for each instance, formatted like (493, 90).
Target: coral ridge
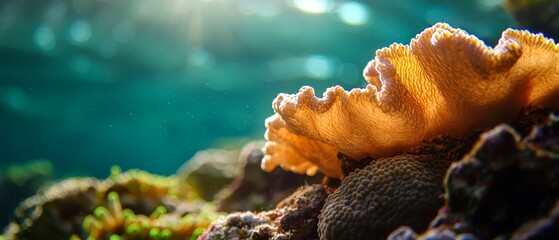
(444, 81)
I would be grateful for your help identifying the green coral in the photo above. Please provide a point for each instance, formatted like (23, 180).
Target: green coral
(114, 222)
(124, 206)
(30, 171)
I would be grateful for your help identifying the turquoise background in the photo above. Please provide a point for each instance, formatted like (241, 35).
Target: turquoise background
(145, 84)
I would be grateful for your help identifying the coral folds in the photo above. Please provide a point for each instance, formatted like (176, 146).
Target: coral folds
(444, 81)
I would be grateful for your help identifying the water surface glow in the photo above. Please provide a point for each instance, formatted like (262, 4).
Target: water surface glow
(313, 6)
(353, 13)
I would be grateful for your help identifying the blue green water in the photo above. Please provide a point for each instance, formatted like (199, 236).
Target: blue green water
(145, 84)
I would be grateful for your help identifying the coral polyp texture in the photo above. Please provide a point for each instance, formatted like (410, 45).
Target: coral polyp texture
(444, 81)
(507, 187)
(373, 201)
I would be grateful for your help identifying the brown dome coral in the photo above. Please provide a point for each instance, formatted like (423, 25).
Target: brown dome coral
(377, 199)
(444, 81)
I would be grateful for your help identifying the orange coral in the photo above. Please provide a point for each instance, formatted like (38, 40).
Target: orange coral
(444, 81)
(297, 153)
